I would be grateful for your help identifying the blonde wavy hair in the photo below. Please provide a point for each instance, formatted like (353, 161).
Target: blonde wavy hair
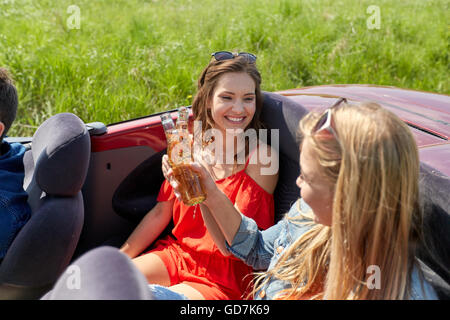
(374, 166)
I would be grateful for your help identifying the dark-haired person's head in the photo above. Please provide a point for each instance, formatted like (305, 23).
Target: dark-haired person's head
(8, 102)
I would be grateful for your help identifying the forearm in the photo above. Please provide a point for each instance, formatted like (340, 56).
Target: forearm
(225, 214)
(243, 237)
(148, 229)
(245, 240)
(214, 230)
(253, 246)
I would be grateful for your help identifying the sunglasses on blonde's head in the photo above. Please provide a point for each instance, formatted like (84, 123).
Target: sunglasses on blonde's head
(227, 55)
(325, 122)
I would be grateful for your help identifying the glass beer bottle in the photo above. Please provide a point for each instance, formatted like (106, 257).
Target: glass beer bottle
(179, 150)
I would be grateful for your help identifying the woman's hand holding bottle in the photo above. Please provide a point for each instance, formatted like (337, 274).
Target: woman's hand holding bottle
(208, 183)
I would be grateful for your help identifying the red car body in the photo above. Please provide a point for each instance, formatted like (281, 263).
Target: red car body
(427, 114)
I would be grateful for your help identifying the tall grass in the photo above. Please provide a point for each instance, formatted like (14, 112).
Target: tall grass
(132, 58)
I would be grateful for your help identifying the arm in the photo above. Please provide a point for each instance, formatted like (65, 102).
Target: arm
(215, 200)
(253, 246)
(232, 231)
(264, 172)
(148, 229)
(227, 215)
(221, 217)
(224, 213)
(209, 220)
(240, 234)
(237, 234)
(214, 230)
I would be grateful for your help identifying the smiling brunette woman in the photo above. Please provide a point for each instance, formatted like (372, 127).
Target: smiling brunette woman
(189, 261)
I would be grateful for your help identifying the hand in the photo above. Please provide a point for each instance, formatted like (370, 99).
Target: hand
(208, 183)
(168, 175)
(165, 166)
(206, 180)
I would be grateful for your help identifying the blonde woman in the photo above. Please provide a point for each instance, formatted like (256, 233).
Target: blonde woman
(353, 233)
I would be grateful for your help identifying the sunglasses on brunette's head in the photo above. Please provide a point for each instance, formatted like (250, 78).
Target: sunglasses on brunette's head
(227, 55)
(324, 124)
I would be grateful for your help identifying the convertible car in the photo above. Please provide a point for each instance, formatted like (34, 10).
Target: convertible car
(90, 184)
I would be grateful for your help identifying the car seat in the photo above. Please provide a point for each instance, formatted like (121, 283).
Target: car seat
(434, 250)
(55, 170)
(282, 113)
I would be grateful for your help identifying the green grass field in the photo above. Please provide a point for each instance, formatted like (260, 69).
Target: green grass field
(132, 58)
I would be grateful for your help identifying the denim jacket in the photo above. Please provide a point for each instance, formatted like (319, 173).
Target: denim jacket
(14, 208)
(262, 249)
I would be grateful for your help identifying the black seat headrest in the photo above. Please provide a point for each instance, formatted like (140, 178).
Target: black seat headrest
(280, 112)
(284, 114)
(61, 150)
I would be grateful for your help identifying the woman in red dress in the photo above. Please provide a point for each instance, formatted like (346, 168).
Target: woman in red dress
(188, 261)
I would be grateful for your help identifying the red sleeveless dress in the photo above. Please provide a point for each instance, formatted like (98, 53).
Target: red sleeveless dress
(190, 254)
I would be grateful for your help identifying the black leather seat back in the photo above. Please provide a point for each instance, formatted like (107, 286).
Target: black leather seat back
(284, 114)
(435, 249)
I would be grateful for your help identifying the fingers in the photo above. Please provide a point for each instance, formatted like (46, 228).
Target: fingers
(168, 175)
(174, 185)
(166, 169)
(204, 175)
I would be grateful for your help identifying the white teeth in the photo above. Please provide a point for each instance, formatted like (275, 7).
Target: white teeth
(235, 119)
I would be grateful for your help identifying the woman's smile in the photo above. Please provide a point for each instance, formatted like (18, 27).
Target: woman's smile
(236, 120)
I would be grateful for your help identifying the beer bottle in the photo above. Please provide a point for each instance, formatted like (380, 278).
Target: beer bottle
(179, 150)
